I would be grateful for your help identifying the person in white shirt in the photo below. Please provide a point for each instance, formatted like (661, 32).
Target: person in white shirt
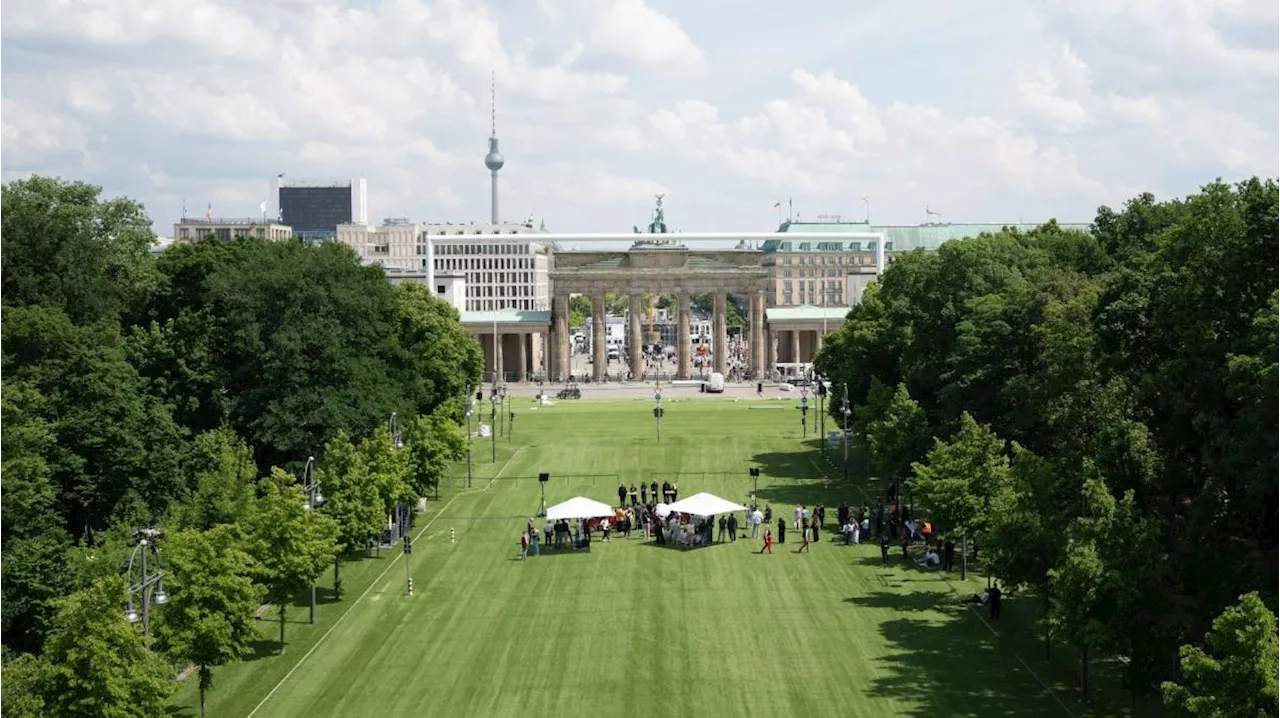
(757, 518)
(799, 513)
(931, 558)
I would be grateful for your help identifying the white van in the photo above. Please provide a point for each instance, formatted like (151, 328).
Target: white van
(714, 383)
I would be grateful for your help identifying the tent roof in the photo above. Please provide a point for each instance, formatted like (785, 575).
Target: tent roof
(705, 504)
(579, 507)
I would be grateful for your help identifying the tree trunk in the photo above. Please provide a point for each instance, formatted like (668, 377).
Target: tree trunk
(282, 608)
(337, 582)
(205, 679)
(964, 558)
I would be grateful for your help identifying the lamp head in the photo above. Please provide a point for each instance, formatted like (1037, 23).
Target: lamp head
(130, 614)
(160, 597)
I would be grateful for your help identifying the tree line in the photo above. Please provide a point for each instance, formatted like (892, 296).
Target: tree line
(188, 391)
(1098, 412)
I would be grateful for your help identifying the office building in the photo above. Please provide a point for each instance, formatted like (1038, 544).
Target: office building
(505, 265)
(228, 228)
(835, 273)
(315, 208)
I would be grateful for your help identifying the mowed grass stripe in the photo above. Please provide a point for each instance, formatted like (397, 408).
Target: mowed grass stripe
(628, 628)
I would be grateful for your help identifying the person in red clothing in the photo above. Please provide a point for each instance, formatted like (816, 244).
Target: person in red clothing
(524, 545)
(768, 542)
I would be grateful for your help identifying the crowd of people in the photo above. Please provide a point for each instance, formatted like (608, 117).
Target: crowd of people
(637, 512)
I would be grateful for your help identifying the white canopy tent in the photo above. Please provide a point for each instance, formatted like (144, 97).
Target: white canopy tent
(579, 507)
(705, 504)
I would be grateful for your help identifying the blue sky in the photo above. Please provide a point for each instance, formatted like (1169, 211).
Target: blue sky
(982, 111)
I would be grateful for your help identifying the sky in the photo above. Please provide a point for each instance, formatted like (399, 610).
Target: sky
(977, 111)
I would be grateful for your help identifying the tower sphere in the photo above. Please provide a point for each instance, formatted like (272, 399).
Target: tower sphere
(493, 160)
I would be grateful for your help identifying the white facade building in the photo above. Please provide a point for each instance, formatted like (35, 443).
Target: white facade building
(397, 244)
(504, 265)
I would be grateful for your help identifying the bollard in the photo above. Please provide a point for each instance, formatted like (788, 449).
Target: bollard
(453, 536)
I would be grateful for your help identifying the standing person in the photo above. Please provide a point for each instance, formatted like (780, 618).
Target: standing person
(799, 514)
(804, 537)
(760, 389)
(782, 530)
(768, 542)
(604, 528)
(644, 493)
(816, 528)
(733, 528)
(723, 524)
(533, 543)
(884, 548)
(757, 518)
(622, 495)
(675, 493)
(524, 545)
(821, 512)
(994, 603)
(631, 493)
(547, 528)
(948, 554)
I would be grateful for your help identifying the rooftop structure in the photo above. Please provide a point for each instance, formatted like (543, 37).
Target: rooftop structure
(190, 229)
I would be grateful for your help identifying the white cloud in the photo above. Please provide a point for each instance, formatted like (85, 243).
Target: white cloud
(603, 103)
(631, 29)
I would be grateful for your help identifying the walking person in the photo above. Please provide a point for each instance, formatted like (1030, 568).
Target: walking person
(884, 549)
(782, 530)
(799, 515)
(804, 547)
(533, 543)
(768, 542)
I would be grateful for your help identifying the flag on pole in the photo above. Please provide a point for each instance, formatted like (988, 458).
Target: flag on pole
(208, 213)
(263, 207)
(777, 205)
(930, 212)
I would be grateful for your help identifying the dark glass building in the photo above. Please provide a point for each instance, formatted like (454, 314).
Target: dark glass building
(314, 211)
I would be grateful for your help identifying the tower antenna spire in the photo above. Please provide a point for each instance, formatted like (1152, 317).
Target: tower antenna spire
(493, 161)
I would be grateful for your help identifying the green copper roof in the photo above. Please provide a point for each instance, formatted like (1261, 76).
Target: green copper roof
(805, 312)
(897, 238)
(506, 316)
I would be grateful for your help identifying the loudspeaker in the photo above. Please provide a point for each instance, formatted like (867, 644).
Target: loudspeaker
(544, 478)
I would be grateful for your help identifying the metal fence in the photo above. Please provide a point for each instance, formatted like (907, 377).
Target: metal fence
(585, 482)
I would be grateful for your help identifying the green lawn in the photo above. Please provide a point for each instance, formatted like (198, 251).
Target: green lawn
(631, 629)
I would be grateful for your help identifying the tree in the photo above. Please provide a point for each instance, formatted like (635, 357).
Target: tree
(443, 356)
(351, 498)
(960, 477)
(115, 445)
(290, 544)
(35, 542)
(1237, 674)
(434, 442)
(899, 435)
(224, 486)
(66, 247)
(24, 686)
(389, 465)
(98, 664)
(211, 619)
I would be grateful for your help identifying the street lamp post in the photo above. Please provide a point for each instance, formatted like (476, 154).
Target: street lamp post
(804, 413)
(657, 407)
(493, 423)
(311, 489)
(846, 411)
(150, 586)
(469, 405)
(822, 420)
(502, 408)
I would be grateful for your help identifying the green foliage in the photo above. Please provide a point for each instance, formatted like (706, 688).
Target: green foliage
(443, 357)
(1237, 674)
(114, 444)
(210, 621)
(290, 543)
(224, 482)
(96, 664)
(24, 682)
(389, 465)
(66, 247)
(961, 476)
(899, 435)
(434, 442)
(350, 493)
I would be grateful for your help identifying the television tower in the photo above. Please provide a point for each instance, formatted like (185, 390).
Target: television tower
(493, 160)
